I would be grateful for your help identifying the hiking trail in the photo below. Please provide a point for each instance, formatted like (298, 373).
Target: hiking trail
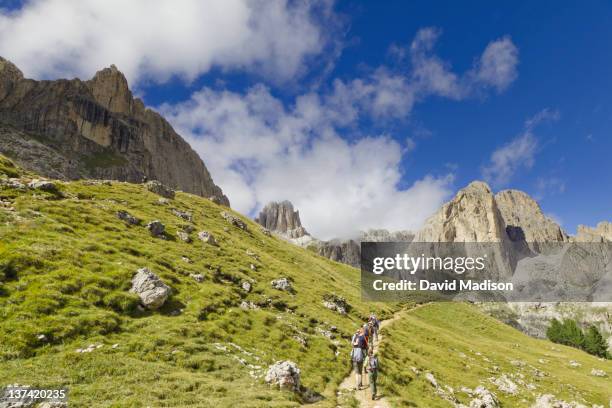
(363, 395)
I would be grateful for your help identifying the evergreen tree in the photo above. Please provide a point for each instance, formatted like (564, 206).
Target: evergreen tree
(571, 334)
(553, 333)
(594, 343)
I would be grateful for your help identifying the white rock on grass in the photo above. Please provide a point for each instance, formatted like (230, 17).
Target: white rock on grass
(282, 284)
(183, 236)
(505, 384)
(549, 401)
(207, 237)
(484, 399)
(246, 286)
(198, 277)
(432, 380)
(44, 185)
(151, 290)
(235, 221)
(598, 373)
(285, 375)
(574, 364)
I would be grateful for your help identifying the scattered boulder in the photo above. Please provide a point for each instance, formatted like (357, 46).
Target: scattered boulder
(183, 236)
(151, 290)
(235, 221)
(158, 188)
(163, 201)
(285, 375)
(336, 303)
(253, 267)
(41, 337)
(186, 215)
(14, 183)
(574, 364)
(198, 277)
(127, 217)
(598, 373)
(505, 384)
(484, 399)
(432, 380)
(89, 348)
(282, 284)
(156, 228)
(266, 232)
(207, 237)
(246, 286)
(549, 401)
(44, 185)
(248, 305)
(186, 259)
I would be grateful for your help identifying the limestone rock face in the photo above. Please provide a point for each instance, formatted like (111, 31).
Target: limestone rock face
(348, 252)
(471, 216)
(524, 220)
(94, 129)
(281, 218)
(601, 233)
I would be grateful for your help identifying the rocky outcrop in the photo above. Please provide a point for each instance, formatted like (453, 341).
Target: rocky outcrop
(281, 218)
(348, 251)
(601, 233)
(285, 375)
(471, 216)
(524, 220)
(70, 129)
(151, 290)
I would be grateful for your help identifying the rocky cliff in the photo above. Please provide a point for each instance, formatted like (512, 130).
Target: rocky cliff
(281, 218)
(515, 221)
(73, 129)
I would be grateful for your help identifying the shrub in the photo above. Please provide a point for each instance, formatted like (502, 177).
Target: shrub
(594, 343)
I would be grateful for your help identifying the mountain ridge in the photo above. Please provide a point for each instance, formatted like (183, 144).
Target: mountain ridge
(98, 128)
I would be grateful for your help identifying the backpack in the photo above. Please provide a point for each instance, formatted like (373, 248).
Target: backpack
(361, 342)
(373, 363)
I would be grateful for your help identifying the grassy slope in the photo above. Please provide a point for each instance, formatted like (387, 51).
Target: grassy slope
(66, 265)
(65, 270)
(433, 337)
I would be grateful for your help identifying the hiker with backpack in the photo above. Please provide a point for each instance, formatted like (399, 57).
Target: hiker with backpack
(357, 356)
(371, 367)
(375, 327)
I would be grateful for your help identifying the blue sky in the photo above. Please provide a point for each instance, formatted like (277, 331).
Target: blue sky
(264, 95)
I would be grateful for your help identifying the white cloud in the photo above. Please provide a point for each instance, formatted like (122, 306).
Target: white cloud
(518, 154)
(155, 39)
(260, 150)
(497, 65)
(495, 68)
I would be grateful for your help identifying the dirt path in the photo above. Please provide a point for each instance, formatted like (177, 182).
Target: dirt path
(363, 396)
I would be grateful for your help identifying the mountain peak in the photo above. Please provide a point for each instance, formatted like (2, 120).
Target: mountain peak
(282, 218)
(110, 89)
(9, 75)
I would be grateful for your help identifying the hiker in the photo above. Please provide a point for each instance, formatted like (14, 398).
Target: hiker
(371, 366)
(375, 326)
(357, 357)
(371, 335)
